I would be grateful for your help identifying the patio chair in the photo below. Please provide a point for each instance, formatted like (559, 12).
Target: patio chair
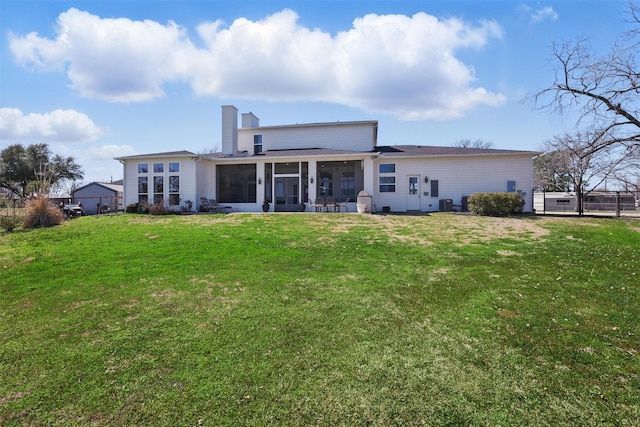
(318, 203)
(311, 204)
(330, 203)
(344, 205)
(205, 205)
(210, 205)
(218, 208)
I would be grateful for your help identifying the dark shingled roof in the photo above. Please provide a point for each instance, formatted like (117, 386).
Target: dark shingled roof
(421, 150)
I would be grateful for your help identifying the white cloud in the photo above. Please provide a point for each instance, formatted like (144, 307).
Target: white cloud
(118, 60)
(401, 65)
(538, 15)
(98, 161)
(57, 126)
(108, 152)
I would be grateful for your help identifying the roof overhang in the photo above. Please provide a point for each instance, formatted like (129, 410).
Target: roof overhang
(172, 154)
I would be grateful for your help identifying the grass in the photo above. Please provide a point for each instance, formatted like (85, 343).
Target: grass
(328, 319)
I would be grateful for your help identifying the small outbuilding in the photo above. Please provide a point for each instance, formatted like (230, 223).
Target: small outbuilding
(100, 197)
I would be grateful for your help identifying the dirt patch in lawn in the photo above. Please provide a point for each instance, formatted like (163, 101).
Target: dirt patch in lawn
(460, 229)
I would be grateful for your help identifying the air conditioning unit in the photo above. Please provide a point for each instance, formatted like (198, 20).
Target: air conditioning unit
(446, 205)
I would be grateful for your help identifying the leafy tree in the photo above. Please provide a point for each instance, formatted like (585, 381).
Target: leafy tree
(34, 169)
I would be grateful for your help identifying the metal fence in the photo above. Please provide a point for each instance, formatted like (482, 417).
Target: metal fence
(594, 203)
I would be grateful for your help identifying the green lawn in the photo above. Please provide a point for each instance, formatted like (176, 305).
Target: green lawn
(321, 319)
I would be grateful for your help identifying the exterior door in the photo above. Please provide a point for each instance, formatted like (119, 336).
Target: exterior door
(287, 195)
(413, 200)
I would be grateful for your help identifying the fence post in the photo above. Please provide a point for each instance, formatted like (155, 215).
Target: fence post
(617, 203)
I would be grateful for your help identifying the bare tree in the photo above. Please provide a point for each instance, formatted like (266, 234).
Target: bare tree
(585, 168)
(550, 171)
(603, 89)
(476, 143)
(629, 174)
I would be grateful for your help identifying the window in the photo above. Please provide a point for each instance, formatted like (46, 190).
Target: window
(325, 184)
(158, 189)
(143, 185)
(387, 168)
(434, 188)
(287, 168)
(257, 144)
(387, 184)
(158, 167)
(268, 178)
(143, 190)
(143, 168)
(236, 183)
(348, 186)
(341, 179)
(174, 190)
(174, 167)
(413, 185)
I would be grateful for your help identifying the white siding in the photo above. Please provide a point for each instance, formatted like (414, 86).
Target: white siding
(204, 179)
(188, 180)
(345, 136)
(130, 175)
(187, 176)
(457, 177)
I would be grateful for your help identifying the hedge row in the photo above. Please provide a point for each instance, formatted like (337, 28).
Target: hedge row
(496, 204)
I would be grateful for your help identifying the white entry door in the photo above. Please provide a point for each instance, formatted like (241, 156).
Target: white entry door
(413, 201)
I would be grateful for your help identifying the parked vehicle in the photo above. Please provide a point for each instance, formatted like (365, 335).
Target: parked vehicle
(73, 211)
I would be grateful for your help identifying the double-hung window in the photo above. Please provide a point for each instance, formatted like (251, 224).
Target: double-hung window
(387, 178)
(257, 144)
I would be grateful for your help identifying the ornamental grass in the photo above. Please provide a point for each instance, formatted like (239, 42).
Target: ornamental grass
(41, 212)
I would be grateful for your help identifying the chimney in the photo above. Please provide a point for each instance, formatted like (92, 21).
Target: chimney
(249, 120)
(229, 130)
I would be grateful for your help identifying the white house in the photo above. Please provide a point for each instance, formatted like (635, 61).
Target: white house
(291, 165)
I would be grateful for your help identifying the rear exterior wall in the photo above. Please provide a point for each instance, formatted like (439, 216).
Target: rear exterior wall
(187, 176)
(357, 137)
(456, 176)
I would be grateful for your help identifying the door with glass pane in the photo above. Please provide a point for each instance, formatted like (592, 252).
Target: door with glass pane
(287, 197)
(413, 201)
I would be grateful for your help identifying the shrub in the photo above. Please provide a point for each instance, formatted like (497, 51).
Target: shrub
(496, 204)
(131, 208)
(41, 212)
(143, 208)
(10, 216)
(160, 209)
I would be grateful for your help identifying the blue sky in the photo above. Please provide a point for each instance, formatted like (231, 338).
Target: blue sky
(98, 79)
